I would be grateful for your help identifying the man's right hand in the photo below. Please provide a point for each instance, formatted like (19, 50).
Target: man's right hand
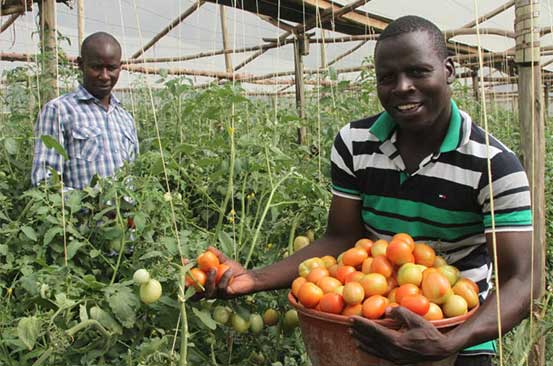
(236, 281)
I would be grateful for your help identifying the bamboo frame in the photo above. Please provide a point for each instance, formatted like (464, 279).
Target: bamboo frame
(9, 22)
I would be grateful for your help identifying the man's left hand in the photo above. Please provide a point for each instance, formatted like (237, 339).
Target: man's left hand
(417, 339)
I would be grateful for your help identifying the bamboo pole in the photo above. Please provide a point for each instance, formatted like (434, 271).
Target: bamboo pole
(532, 136)
(226, 46)
(49, 50)
(167, 29)
(347, 53)
(9, 22)
(491, 14)
(80, 22)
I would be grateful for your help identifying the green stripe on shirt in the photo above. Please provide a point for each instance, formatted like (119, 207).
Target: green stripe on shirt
(516, 218)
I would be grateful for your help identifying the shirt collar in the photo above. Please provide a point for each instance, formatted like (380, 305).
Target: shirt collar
(84, 95)
(384, 127)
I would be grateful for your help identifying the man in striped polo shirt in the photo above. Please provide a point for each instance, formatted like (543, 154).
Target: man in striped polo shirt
(421, 167)
(98, 135)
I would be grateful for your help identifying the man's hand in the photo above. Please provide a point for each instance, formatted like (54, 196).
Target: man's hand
(235, 281)
(416, 341)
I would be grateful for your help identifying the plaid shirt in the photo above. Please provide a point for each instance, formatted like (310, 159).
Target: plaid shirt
(97, 141)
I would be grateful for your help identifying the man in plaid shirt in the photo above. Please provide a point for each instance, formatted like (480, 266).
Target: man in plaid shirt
(95, 131)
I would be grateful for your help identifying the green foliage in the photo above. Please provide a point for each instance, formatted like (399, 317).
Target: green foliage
(225, 171)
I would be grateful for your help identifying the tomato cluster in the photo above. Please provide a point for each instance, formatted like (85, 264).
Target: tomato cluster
(206, 261)
(371, 276)
(254, 322)
(150, 288)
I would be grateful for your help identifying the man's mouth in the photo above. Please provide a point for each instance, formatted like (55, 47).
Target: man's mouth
(408, 107)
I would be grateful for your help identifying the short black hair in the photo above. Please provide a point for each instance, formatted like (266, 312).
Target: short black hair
(413, 23)
(98, 36)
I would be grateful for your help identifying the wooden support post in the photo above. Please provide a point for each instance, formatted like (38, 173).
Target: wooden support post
(5, 25)
(491, 14)
(299, 48)
(532, 130)
(226, 43)
(546, 88)
(324, 65)
(475, 84)
(80, 22)
(49, 89)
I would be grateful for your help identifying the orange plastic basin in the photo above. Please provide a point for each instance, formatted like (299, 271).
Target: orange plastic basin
(328, 342)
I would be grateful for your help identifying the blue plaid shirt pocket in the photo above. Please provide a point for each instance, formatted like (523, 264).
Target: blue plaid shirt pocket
(129, 144)
(88, 142)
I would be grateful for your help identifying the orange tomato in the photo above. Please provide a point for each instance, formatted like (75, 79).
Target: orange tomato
(434, 312)
(310, 294)
(418, 304)
(392, 295)
(316, 274)
(465, 289)
(343, 271)
(436, 287)
(365, 244)
(424, 254)
(354, 257)
(374, 306)
(329, 284)
(332, 269)
(221, 269)
(207, 260)
(366, 266)
(351, 310)
(406, 238)
(332, 303)
(354, 276)
(406, 290)
(297, 284)
(197, 278)
(382, 265)
(399, 252)
(353, 293)
(374, 284)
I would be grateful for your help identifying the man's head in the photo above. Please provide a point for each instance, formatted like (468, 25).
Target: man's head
(100, 62)
(413, 73)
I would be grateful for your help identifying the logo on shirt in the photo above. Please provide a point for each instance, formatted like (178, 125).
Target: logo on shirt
(442, 196)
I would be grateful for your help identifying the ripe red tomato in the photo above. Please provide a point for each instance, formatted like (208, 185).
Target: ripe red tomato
(399, 252)
(406, 290)
(365, 244)
(197, 278)
(332, 303)
(328, 284)
(343, 271)
(354, 257)
(316, 274)
(207, 260)
(436, 287)
(310, 295)
(297, 284)
(351, 310)
(382, 265)
(354, 276)
(424, 254)
(366, 266)
(416, 303)
(374, 307)
(221, 269)
(434, 312)
(406, 238)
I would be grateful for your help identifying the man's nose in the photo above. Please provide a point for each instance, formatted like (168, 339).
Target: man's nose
(104, 73)
(403, 84)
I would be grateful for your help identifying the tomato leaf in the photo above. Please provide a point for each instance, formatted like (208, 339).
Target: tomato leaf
(226, 242)
(152, 254)
(10, 144)
(83, 315)
(52, 143)
(73, 247)
(29, 233)
(139, 221)
(123, 302)
(28, 330)
(205, 317)
(105, 319)
(51, 234)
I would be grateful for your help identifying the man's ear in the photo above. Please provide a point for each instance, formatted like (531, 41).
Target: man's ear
(80, 62)
(450, 69)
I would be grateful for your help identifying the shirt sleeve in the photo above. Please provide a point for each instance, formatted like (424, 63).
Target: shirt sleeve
(44, 158)
(511, 195)
(344, 180)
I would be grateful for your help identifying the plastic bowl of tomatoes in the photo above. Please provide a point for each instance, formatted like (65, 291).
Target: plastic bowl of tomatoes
(367, 279)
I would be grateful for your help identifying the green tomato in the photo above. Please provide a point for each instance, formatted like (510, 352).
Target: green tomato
(221, 314)
(256, 323)
(300, 242)
(310, 234)
(291, 319)
(270, 317)
(239, 324)
(141, 276)
(150, 291)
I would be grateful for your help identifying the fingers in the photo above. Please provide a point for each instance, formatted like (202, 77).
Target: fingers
(407, 317)
(210, 285)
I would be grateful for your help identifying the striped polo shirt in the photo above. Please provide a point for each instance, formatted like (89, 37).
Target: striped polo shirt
(446, 202)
